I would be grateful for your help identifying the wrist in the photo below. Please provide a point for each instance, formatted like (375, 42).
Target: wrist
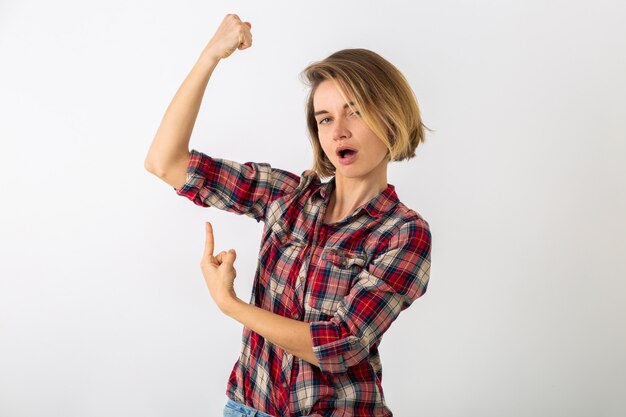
(231, 305)
(210, 53)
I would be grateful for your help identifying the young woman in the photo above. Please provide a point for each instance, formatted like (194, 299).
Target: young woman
(338, 261)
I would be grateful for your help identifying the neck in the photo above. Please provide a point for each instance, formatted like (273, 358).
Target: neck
(351, 193)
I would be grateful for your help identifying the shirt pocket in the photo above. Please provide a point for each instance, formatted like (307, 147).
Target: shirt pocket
(334, 277)
(281, 262)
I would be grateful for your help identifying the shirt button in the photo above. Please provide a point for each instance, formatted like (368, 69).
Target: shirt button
(284, 385)
(295, 315)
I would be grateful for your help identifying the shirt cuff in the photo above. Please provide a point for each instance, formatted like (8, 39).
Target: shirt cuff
(336, 350)
(200, 170)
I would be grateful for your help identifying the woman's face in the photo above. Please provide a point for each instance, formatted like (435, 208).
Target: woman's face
(338, 126)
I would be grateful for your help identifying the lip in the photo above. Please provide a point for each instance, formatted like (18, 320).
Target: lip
(348, 159)
(341, 148)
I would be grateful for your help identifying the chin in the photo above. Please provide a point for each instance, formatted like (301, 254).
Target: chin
(350, 172)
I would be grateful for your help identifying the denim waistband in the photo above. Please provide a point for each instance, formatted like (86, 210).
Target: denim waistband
(244, 409)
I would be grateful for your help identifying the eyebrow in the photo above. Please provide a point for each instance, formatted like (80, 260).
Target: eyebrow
(345, 106)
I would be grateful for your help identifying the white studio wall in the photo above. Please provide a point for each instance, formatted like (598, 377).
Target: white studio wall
(103, 307)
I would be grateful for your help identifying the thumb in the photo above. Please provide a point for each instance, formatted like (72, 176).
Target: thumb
(231, 255)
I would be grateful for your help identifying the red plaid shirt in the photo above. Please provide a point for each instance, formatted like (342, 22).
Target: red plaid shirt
(349, 280)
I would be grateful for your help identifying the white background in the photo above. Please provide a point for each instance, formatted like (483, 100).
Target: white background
(103, 307)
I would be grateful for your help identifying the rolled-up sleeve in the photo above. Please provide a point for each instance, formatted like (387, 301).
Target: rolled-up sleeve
(243, 188)
(386, 286)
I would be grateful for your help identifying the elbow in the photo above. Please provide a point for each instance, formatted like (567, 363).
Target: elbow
(336, 358)
(152, 168)
(148, 166)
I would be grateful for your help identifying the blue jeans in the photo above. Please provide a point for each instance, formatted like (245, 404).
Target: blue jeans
(234, 409)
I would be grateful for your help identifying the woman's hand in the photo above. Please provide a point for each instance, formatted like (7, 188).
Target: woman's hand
(232, 34)
(219, 272)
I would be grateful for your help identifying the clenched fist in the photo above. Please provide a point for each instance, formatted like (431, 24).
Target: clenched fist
(232, 34)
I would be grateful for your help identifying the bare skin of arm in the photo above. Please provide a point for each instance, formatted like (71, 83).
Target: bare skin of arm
(293, 336)
(168, 159)
(169, 154)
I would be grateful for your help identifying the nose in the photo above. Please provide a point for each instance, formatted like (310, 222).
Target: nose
(340, 129)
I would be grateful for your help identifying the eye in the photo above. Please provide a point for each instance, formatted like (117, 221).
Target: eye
(353, 113)
(321, 121)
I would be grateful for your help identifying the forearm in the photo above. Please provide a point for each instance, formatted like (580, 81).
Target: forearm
(292, 335)
(172, 137)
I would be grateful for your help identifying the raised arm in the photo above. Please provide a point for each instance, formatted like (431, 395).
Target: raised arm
(169, 154)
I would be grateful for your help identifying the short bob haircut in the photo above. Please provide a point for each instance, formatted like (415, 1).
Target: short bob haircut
(382, 94)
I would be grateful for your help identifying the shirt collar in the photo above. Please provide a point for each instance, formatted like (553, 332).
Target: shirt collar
(379, 205)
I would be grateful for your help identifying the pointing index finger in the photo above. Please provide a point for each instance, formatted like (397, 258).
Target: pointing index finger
(208, 244)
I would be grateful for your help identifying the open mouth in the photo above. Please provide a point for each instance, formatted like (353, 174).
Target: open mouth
(344, 153)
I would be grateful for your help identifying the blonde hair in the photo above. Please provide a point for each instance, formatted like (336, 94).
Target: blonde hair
(382, 94)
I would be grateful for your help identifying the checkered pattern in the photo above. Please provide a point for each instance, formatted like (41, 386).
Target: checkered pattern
(349, 280)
